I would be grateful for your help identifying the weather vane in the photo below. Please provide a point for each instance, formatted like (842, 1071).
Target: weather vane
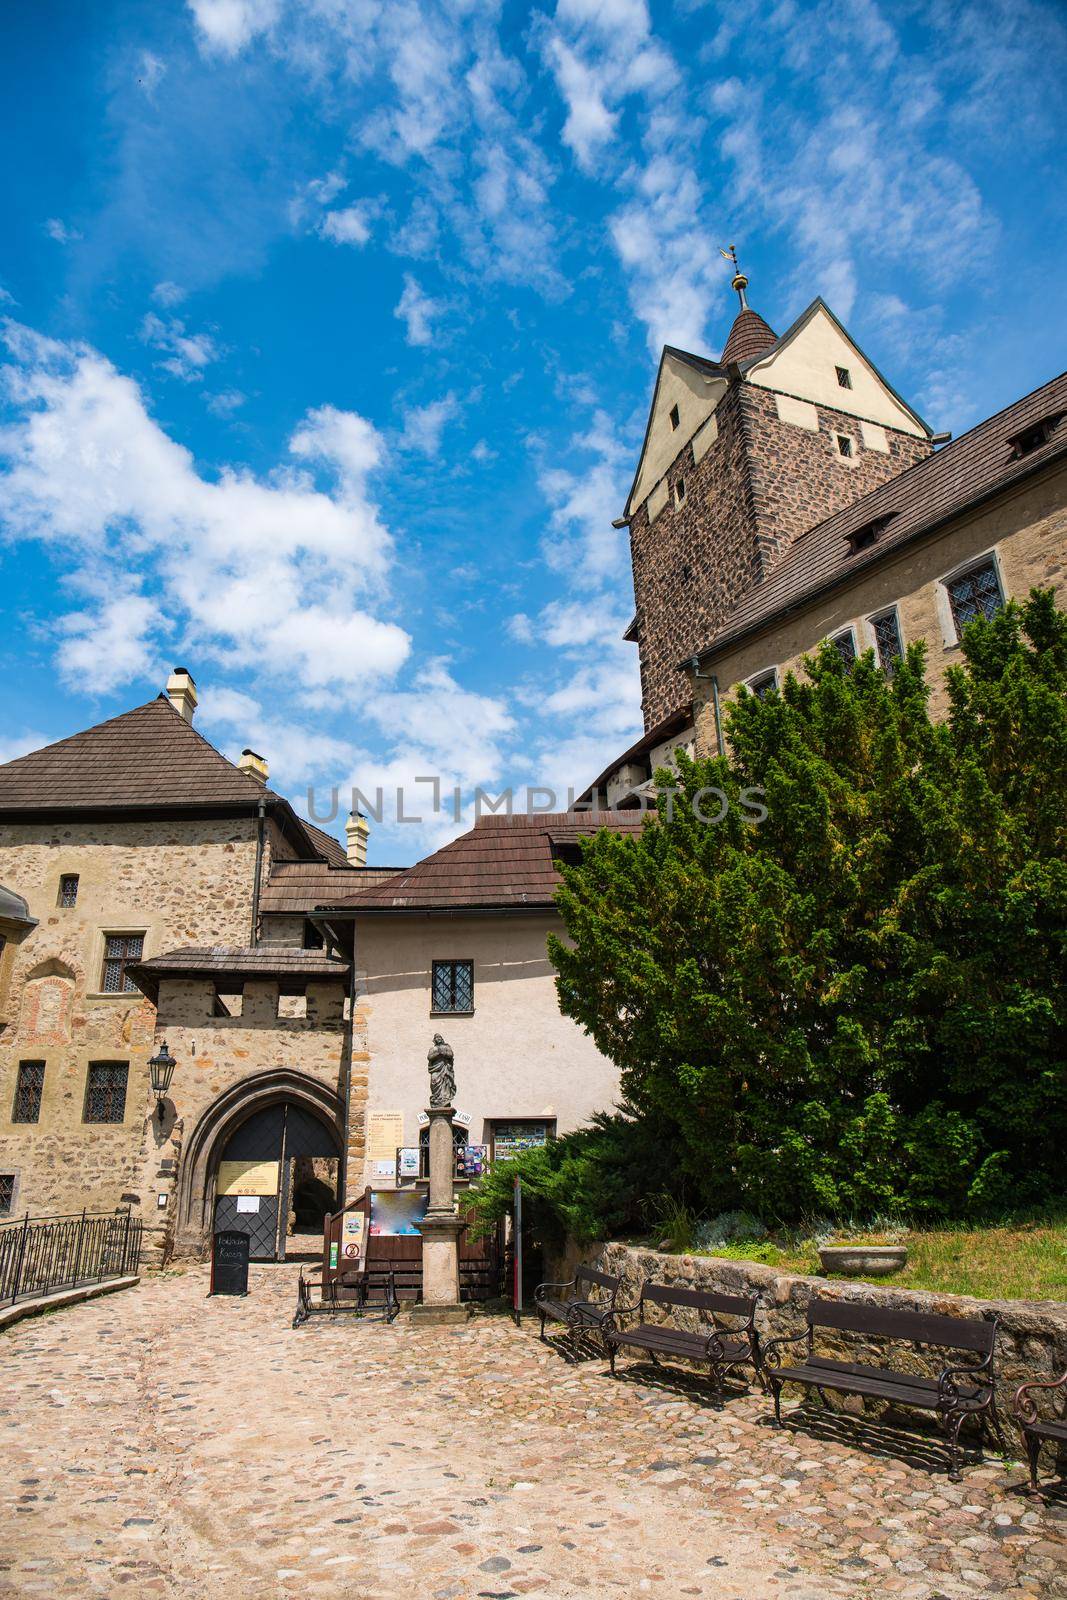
(739, 281)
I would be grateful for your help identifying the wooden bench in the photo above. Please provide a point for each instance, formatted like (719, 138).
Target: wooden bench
(723, 1347)
(577, 1310)
(1037, 1430)
(958, 1392)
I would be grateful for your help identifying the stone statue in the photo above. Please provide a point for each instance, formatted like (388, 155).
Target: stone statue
(442, 1077)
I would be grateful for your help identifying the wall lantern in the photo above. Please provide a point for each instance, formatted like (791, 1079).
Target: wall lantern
(161, 1066)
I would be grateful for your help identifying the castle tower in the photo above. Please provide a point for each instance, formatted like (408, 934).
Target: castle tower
(741, 456)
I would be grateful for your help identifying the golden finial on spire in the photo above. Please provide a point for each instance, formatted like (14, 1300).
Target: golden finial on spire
(739, 281)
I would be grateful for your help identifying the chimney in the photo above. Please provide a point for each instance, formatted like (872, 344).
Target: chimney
(181, 692)
(254, 765)
(357, 831)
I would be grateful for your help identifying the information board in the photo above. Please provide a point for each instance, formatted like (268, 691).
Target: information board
(229, 1263)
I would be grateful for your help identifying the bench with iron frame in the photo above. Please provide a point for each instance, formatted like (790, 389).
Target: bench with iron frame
(576, 1310)
(958, 1392)
(721, 1346)
(1038, 1430)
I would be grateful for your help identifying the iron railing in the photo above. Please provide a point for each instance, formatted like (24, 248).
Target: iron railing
(39, 1254)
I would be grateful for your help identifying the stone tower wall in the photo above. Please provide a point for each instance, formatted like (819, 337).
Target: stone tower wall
(760, 484)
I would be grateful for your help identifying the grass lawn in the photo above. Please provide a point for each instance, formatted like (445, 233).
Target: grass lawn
(1013, 1261)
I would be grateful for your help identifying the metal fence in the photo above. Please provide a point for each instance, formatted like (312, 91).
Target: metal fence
(39, 1254)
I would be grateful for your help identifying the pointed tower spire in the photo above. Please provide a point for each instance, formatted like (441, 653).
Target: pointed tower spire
(739, 281)
(750, 335)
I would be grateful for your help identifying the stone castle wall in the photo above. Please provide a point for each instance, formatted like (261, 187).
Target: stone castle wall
(1031, 1343)
(1025, 528)
(760, 483)
(258, 1051)
(179, 882)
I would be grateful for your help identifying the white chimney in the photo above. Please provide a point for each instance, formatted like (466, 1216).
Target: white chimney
(357, 831)
(181, 692)
(254, 765)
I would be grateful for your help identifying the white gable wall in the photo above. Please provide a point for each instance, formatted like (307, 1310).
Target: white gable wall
(806, 367)
(696, 398)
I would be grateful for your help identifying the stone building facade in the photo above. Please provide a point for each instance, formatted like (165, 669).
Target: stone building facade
(154, 892)
(785, 495)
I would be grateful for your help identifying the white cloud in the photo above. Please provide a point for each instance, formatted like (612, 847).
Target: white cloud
(225, 403)
(352, 225)
(150, 70)
(275, 572)
(185, 354)
(417, 311)
(482, 452)
(294, 751)
(169, 294)
(227, 26)
(581, 541)
(424, 425)
(106, 647)
(58, 230)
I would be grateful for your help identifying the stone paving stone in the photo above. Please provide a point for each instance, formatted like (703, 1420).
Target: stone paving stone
(162, 1443)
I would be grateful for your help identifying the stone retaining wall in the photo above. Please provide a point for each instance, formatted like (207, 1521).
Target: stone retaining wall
(1032, 1343)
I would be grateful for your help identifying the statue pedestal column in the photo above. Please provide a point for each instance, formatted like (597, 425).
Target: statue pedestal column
(440, 1230)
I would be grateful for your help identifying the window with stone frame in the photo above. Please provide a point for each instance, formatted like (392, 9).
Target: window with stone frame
(844, 446)
(675, 417)
(845, 645)
(7, 1193)
(844, 377)
(105, 1091)
(29, 1086)
(68, 890)
(887, 641)
(452, 986)
(764, 683)
(975, 593)
(120, 950)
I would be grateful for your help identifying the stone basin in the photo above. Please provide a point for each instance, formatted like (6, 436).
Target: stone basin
(863, 1260)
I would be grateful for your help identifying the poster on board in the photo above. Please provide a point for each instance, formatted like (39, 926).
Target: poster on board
(397, 1212)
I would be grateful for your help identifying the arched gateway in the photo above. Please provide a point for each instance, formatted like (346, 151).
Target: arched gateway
(265, 1153)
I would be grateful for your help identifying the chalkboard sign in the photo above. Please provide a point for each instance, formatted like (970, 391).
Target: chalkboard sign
(229, 1263)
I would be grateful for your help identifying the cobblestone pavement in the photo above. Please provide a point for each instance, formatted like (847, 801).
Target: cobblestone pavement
(160, 1443)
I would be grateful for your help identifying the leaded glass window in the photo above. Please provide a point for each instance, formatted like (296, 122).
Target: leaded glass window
(453, 986)
(68, 890)
(121, 948)
(845, 645)
(28, 1089)
(7, 1193)
(886, 631)
(762, 686)
(105, 1091)
(974, 594)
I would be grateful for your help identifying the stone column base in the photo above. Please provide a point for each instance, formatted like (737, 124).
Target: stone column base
(425, 1316)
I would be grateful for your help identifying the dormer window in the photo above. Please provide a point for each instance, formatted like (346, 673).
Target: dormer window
(844, 445)
(679, 491)
(864, 537)
(1033, 437)
(675, 417)
(844, 378)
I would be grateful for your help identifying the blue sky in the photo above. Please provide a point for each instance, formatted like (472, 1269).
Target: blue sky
(331, 327)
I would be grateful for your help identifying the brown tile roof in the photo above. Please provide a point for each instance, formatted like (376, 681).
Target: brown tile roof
(750, 336)
(503, 862)
(301, 886)
(956, 478)
(238, 964)
(327, 844)
(146, 757)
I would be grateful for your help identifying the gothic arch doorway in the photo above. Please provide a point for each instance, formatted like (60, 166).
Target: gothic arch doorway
(265, 1153)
